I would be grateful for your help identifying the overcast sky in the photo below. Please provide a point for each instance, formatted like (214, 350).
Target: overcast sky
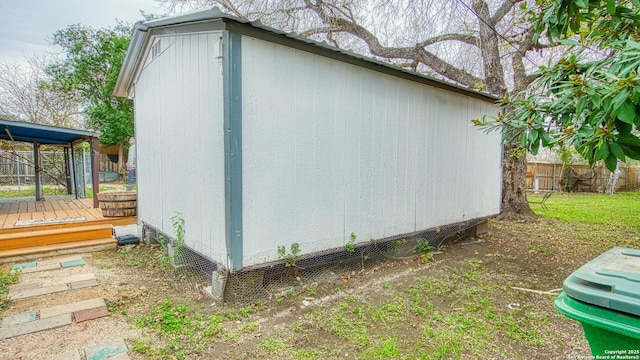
(27, 25)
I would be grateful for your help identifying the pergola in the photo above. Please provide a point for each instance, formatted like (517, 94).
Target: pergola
(50, 135)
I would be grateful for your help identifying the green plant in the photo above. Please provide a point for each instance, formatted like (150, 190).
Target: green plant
(425, 249)
(388, 348)
(273, 345)
(173, 249)
(400, 242)
(350, 245)
(7, 279)
(290, 257)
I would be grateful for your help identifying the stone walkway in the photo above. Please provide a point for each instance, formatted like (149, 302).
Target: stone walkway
(49, 318)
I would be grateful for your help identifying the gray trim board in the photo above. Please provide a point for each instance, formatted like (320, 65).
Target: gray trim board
(232, 93)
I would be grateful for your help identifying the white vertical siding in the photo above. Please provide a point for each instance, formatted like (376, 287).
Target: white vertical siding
(180, 141)
(331, 148)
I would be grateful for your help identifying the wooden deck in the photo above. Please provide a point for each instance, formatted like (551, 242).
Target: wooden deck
(11, 212)
(73, 226)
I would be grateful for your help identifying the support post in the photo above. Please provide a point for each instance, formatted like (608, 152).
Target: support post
(36, 168)
(95, 169)
(67, 170)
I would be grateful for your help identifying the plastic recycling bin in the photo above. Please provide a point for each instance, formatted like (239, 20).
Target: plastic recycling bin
(604, 295)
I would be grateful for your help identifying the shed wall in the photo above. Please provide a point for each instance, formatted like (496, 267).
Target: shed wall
(180, 140)
(331, 148)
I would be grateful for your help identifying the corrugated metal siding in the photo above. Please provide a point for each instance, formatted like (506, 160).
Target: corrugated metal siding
(331, 148)
(180, 134)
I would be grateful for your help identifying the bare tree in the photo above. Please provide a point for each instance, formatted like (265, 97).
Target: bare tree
(26, 95)
(482, 44)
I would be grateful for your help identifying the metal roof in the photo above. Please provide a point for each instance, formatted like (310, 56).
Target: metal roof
(141, 36)
(42, 134)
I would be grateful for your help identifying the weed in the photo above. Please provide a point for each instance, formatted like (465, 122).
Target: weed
(7, 279)
(400, 242)
(306, 354)
(424, 249)
(388, 348)
(273, 345)
(290, 257)
(173, 249)
(311, 291)
(423, 245)
(350, 245)
(249, 327)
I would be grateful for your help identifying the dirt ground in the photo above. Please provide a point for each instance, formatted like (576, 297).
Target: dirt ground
(510, 255)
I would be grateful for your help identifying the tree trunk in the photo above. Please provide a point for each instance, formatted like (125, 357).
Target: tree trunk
(613, 180)
(514, 197)
(121, 169)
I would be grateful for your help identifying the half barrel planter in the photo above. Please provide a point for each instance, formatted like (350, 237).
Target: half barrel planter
(118, 203)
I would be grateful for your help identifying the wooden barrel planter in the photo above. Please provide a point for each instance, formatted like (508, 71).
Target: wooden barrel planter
(118, 203)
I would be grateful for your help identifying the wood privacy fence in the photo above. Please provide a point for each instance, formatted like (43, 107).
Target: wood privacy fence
(556, 177)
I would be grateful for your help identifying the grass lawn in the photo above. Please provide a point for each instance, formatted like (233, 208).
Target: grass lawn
(462, 304)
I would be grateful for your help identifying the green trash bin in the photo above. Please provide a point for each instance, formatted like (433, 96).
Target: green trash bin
(604, 295)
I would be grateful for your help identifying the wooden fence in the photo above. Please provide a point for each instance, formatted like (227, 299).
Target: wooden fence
(556, 177)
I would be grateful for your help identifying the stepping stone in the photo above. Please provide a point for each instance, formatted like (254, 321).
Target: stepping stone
(67, 355)
(72, 282)
(72, 263)
(106, 350)
(18, 319)
(70, 279)
(24, 266)
(44, 267)
(27, 286)
(90, 314)
(72, 308)
(60, 260)
(83, 284)
(35, 326)
(23, 294)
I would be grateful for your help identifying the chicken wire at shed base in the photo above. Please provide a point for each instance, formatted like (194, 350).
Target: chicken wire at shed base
(203, 277)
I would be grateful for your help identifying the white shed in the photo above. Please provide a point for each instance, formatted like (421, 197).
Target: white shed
(262, 139)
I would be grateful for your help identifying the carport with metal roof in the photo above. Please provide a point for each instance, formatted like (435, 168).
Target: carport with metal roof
(38, 135)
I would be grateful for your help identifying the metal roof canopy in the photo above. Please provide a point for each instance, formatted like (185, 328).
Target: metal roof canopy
(52, 135)
(42, 134)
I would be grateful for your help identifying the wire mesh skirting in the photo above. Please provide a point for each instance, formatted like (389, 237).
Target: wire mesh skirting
(203, 277)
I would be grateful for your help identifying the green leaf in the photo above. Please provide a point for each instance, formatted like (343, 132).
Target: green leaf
(627, 112)
(535, 146)
(632, 151)
(582, 102)
(596, 100)
(611, 163)
(611, 7)
(623, 127)
(569, 42)
(602, 151)
(544, 136)
(582, 3)
(620, 98)
(630, 140)
(616, 150)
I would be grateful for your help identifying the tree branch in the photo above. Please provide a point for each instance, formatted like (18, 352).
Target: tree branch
(467, 39)
(440, 66)
(503, 11)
